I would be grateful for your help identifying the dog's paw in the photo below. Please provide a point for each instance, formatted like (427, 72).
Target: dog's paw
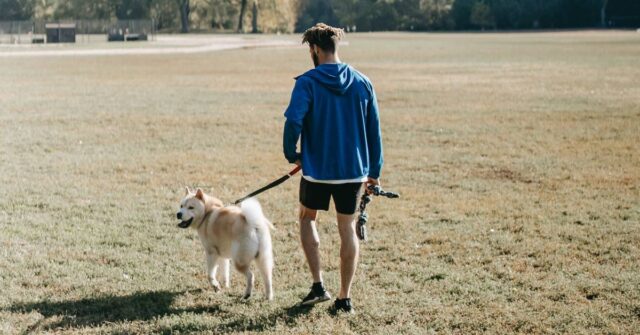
(246, 296)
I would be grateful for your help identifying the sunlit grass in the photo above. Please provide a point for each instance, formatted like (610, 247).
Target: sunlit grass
(516, 156)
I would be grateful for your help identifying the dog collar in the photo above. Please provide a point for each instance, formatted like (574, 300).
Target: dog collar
(206, 215)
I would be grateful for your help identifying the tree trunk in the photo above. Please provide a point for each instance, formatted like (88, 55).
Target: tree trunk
(254, 19)
(243, 9)
(184, 15)
(603, 14)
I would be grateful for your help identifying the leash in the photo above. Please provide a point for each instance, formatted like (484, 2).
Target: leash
(361, 229)
(271, 185)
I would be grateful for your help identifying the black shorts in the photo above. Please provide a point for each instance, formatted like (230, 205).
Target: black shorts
(317, 196)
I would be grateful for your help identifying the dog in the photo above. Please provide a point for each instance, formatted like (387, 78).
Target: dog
(240, 234)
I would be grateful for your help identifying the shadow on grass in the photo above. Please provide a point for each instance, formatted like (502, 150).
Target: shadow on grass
(144, 306)
(241, 324)
(287, 316)
(96, 311)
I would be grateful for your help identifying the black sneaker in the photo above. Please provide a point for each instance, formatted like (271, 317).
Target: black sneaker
(317, 294)
(343, 305)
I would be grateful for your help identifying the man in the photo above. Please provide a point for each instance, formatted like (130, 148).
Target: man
(334, 111)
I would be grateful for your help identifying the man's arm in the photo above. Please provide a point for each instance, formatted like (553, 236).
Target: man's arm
(299, 106)
(290, 139)
(374, 140)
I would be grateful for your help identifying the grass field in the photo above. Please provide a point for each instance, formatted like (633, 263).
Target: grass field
(516, 156)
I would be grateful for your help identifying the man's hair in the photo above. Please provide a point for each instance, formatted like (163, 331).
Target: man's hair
(324, 36)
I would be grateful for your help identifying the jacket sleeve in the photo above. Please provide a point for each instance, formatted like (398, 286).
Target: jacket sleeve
(374, 137)
(299, 106)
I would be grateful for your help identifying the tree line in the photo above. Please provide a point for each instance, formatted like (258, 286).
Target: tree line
(297, 15)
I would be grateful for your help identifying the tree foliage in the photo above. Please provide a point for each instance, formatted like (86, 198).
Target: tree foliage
(16, 9)
(82, 9)
(481, 15)
(132, 9)
(364, 15)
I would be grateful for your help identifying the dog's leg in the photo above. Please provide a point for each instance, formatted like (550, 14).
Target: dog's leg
(244, 269)
(212, 268)
(224, 268)
(265, 264)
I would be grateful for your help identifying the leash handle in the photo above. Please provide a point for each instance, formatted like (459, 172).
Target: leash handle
(376, 190)
(295, 170)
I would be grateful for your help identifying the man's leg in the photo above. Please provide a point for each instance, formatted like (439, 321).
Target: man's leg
(349, 251)
(310, 241)
(310, 244)
(313, 197)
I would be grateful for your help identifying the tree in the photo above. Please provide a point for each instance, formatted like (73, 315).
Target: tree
(603, 13)
(222, 14)
(461, 12)
(413, 14)
(81, 9)
(16, 9)
(436, 14)
(254, 17)
(311, 12)
(481, 15)
(185, 9)
(380, 15)
(44, 9)
(163, 12)
(275, 15)
(243, 9)
(259, 16)
(549, 13)
(132, 9)
(367, 15)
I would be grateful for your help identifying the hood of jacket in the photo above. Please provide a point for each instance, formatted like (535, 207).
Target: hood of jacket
(335, 77)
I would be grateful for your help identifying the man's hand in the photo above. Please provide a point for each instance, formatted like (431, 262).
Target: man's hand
(297, 162)
(371, 181)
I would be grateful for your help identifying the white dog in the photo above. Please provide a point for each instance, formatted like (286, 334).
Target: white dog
(237, 233)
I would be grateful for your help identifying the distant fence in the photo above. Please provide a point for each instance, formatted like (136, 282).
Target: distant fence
(26, 32)
(16, 32)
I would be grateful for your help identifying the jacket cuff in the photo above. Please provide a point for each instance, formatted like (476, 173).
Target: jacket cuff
(294, 158)
(374, 174)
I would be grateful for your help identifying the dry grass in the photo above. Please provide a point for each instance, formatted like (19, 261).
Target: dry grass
(516, 155)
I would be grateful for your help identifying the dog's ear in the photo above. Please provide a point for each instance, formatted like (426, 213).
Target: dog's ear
(187, 191)
(200, 194)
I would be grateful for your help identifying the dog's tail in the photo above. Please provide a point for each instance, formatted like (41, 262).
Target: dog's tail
(264, 258)
(252, 210)
(253, 213)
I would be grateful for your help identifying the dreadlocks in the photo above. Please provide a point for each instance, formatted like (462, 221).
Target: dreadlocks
(324, 36)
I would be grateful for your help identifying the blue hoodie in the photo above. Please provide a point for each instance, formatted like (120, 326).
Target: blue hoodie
(334, 110)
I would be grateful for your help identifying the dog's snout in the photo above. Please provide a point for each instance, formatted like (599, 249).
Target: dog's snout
(179, 215)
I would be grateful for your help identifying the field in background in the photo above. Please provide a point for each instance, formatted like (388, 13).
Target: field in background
(516, 156)
(97, 45)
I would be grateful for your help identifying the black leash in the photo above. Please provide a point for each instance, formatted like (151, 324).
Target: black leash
(271, 185)
(361, 229)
